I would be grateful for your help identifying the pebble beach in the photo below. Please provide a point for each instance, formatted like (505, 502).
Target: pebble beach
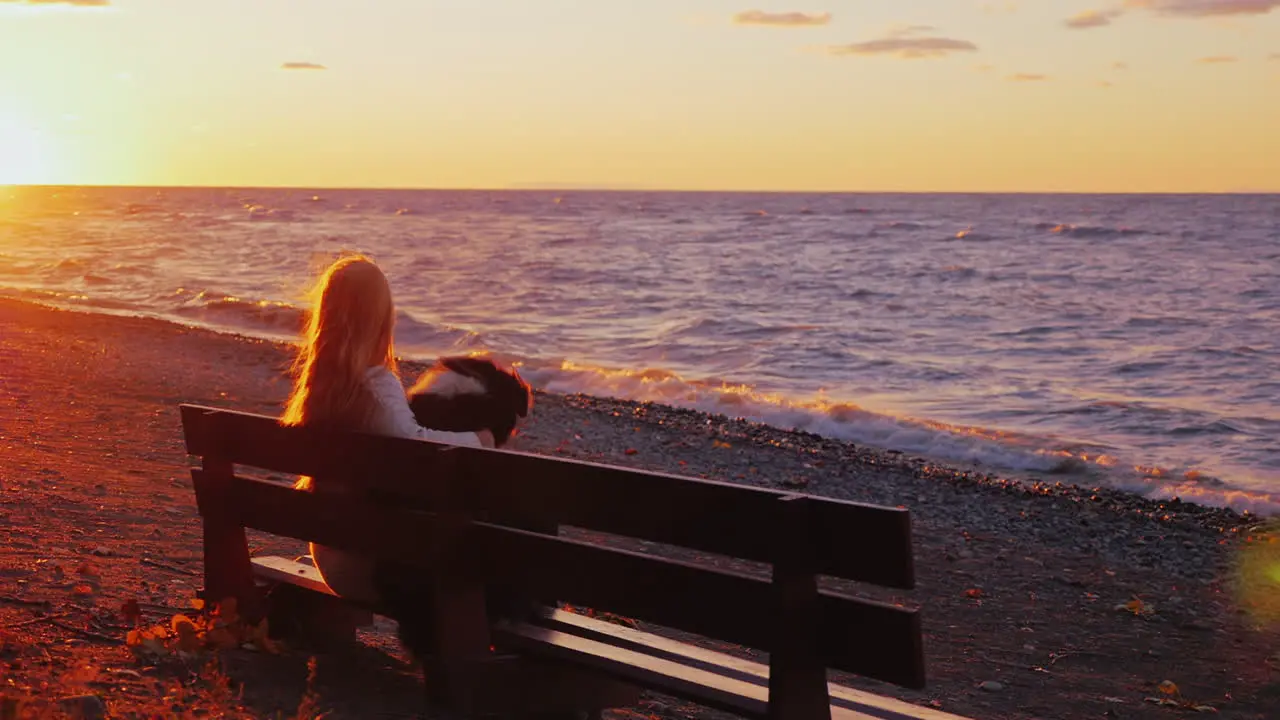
(1040, 599)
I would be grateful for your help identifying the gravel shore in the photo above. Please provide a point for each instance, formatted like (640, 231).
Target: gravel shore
(1027, 589)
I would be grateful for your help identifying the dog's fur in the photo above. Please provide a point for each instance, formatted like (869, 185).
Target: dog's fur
(461, 394)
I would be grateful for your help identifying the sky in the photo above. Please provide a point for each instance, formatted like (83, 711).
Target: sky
(811, 95)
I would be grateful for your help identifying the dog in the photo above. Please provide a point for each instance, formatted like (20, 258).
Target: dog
(461, 394)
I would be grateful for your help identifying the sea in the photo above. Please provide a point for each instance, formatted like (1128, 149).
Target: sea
(1128, 341)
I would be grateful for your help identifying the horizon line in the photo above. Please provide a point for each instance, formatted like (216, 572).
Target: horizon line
(587, 188)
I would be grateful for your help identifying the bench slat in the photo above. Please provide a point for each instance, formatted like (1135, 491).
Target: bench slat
(715, 517)
(279, 569)
(261, 442)
(691, 683)
(868, 638)
(721, 663)
(685, 681)
(850, 540)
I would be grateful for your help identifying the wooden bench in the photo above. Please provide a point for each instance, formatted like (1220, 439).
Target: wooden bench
(464, 515)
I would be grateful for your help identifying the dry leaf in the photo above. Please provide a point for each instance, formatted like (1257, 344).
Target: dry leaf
(630, 451)
(197, 604)
(82, 589)
(974, 593)
(1137, 607)
(1168, 687)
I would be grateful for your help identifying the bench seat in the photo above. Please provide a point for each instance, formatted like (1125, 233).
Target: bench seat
(680, 669)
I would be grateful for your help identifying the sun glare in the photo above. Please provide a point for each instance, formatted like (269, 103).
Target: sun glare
(22, 159)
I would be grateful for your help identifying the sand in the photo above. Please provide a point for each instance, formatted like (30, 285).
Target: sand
(1019, 584)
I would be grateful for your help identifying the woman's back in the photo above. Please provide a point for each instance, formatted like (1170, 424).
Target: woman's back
(346, 380)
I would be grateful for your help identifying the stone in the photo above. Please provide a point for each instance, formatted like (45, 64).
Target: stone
(991, 686)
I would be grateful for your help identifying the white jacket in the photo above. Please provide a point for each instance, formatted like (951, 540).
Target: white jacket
(352, 575)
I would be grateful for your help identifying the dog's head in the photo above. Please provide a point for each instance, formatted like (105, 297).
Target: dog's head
(467, 393)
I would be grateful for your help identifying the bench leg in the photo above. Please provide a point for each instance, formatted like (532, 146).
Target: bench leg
(312, 619)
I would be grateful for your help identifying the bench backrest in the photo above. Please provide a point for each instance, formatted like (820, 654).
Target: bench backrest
(462, 509)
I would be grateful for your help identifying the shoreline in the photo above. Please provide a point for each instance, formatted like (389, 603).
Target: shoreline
(1021, 585)
(1034, 481)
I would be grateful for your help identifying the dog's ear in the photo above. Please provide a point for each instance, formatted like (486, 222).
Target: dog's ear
(472, 367)
(506, 384)
(521, 393)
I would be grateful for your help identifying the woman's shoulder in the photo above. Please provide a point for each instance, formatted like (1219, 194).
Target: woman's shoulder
(383, 383)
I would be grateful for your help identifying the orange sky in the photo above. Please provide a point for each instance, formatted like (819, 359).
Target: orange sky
(946, 95)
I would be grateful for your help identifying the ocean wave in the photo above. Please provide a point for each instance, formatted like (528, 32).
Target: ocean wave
(425, 339)
(970, 235)
(1088, 231)
(989, 448)
(262, 213)
(900, 225)
(822, 416)
(237, 313)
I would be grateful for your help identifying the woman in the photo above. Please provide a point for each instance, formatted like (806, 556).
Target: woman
(346, 380)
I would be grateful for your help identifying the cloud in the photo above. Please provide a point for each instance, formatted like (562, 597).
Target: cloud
(907, 30)
(302, 66)
(1205, 8)
(786, 19)
(1027, 77)
(908, 48)
(1092, 19)
(1172, 8)
(1218, 59)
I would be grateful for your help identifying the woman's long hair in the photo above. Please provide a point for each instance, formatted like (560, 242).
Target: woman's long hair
(348, 331)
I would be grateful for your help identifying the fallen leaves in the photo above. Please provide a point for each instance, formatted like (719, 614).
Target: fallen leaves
(1138, 607)
(975, 593)
(1172, 697)
(214, 628)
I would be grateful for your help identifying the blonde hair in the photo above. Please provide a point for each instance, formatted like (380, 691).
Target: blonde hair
(348, 331)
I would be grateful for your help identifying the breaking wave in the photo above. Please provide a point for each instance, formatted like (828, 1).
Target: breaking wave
(1088, 231)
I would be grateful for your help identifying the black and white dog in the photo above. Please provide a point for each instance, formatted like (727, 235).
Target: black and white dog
(460, 394)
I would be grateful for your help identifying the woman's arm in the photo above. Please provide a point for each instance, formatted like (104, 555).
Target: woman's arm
(394, 417)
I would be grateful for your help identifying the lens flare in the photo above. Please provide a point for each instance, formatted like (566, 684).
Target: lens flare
(1258, 576)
